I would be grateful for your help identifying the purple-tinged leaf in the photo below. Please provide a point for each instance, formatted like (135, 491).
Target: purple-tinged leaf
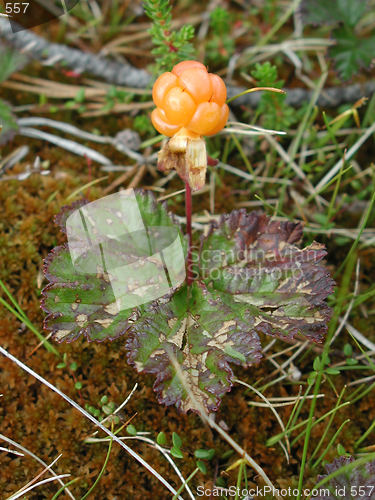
(67, 210)
(358, 482)
(80, 303)
(124, 251)
(251, 279)
(204, 335)
(253, 261)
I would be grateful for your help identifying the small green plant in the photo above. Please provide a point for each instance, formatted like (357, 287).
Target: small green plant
(72, 367)
(171, 46)
(77, 101)
(326, 370)
(176, 451)
(116, 95)
(275, 113)
(105, 414)
(348, 351)
(10, 61)
(352, 50)
(220, 45)
(142, 124)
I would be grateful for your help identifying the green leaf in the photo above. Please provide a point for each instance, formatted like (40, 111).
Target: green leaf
(205, 454)
(80, 97)
(10, 61)
(351, 361)
(61, 366)
(161, 439)
(176, 452)
(340, 449)
(220, 481)
(227, 454)
(78, 385)
(104, 400)
(201, 466)
(311, 378)
(80, 298)
(8, 123)
(348, 350)
(107, 409)
(348, 12)
(351, 53)
(316, 364)
(130, 429)
(332, 371)
(176, 440)
(73, 366)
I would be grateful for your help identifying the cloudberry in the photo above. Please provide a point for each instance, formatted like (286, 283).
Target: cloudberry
(190, 103)
(190, 97)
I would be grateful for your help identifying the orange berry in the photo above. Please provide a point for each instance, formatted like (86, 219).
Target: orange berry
(197, 82)
(162, 126)
(162, 86)
(179, 106)
(224, 113)
(182, 66)
(189, 98)
(219, 90)
(163, 116)
(205, 118)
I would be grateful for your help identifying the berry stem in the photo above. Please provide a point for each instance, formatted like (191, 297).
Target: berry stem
(188, 210)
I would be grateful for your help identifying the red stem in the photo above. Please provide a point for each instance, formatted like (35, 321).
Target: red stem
(188, 210)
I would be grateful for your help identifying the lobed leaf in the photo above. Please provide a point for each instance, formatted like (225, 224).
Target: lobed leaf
(250, 279)
(264, 277)
(348, 12)
(204, 334)
(351, 53)
(95, 295)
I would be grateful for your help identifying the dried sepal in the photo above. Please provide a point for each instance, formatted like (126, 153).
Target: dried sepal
(196, 162)
(186, 153)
